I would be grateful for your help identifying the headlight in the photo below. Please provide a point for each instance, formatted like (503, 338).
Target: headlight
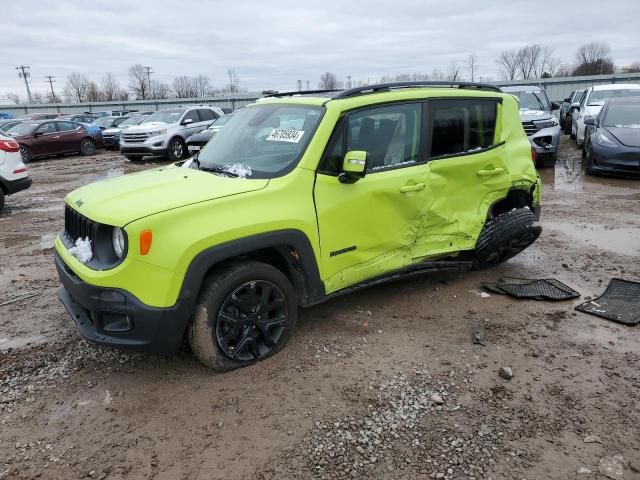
(548, 123)
(604, 141)
(159, 132)
(117, 238)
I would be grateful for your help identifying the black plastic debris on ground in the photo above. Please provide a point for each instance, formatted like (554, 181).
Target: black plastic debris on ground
(536, 289)
(620, 302)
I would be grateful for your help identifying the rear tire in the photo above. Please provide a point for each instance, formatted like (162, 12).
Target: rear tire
(245, 313)
(25, 153)
(505, 236)
(567, 126)
(1, 200)
(87, 147)
(133, 158)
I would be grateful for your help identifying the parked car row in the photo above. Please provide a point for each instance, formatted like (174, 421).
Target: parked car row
(604, 121)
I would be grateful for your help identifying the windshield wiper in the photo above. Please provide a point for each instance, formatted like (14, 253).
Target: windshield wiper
(538, 99)
(219, 169)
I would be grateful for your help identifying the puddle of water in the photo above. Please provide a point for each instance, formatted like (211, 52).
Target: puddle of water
(625, 241)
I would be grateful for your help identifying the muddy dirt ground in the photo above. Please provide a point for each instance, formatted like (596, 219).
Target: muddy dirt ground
(383, 384)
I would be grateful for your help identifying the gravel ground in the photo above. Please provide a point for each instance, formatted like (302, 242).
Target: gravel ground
(387, 383)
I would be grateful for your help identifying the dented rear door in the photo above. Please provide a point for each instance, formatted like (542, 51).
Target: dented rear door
(466, 172)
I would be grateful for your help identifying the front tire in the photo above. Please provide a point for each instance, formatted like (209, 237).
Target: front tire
(25, 153)
(176, 150)
(567, 126)
(505, 236)
(245, 313)
(87, 147)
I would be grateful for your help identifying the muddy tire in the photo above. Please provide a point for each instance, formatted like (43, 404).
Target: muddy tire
(245, 313)
(25, 153)
(504, 236)
(1, 200)
(567, 126)
(133, 158)
(87, 147)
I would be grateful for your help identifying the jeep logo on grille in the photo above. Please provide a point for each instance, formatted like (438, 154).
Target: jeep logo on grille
(79, 203)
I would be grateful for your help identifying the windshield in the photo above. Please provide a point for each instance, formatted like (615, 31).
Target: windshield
(598, 97)
(132, 121)
(105, 121)
(165, 116)
(24, 128)
(262, 141)
(532, 99)
(623, 116)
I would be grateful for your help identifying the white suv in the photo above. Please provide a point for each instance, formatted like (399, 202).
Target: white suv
(165, 132)
(592, 102)
(13, 173)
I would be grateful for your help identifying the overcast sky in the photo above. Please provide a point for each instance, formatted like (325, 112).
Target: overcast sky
(272, 44)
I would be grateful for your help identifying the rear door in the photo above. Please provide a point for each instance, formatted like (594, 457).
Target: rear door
(70, 136)
(466, 172)
(368, 228)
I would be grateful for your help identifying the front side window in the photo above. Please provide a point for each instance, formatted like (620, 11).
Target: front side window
(461, 126)
(264, 141)
(46, 128)
(192, 115)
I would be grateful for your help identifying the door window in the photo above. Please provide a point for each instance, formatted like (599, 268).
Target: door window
(193, 115)
(66, 126)
(46, 128)
(390, 135)
(206, 114)
(461, 126)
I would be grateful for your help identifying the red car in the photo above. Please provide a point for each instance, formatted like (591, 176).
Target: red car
(54, 137)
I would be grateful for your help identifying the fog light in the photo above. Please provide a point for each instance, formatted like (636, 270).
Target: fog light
(116, 322)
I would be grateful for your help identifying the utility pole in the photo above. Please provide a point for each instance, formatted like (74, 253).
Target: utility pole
(23, 72)
(307, 85)
(299, 85)
(149, 72)
(51, 79)
(348, 81)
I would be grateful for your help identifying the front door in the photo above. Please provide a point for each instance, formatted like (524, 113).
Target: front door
(368, 228)
(46, 141)
(466, 172)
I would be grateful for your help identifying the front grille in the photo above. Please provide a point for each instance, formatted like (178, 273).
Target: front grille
(529, 128)
(134, 137)
(77, 226)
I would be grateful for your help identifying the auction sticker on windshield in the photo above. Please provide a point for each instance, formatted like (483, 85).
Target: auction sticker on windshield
(285, 135)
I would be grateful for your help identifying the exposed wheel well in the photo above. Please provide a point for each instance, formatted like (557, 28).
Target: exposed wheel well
(514, 199)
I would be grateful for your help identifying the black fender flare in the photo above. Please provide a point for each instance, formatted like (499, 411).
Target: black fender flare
(294, 247)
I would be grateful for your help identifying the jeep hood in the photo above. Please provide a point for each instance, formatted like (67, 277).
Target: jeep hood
(121, 200)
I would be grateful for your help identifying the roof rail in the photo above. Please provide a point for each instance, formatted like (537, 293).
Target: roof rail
(274, 93)
(382, 87)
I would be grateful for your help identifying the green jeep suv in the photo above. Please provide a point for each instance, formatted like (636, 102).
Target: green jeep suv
(298, 199)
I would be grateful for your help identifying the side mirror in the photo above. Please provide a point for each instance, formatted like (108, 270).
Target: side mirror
(590, 121)
(354, 166)
(555, 106)
(37, 134)
(575, 106)
(187, 121)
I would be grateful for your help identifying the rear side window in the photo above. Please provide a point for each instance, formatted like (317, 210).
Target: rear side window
(461, 126)
(206, 114)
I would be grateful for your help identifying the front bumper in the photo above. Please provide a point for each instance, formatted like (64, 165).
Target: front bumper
(116, 318)
(619, 161)
(153, 146)
(15, 186)
(111, 141)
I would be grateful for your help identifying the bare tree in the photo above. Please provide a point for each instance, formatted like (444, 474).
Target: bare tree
(52, 98)
(93, 92)
(138, 81)
(159, 90)
(453, 72)
(593, 58)
(184, 87)
(14, 97)
(634, 67)
(37, 98)
(508, 62)
(548, 64)
(472, 65)
(76, 87)
(329, 81)
(201, 84)
(529, 60)
(110, 87)
(234, 82)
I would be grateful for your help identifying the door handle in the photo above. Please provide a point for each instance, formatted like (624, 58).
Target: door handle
(488, 173)
(412, 188)
(57, 136)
